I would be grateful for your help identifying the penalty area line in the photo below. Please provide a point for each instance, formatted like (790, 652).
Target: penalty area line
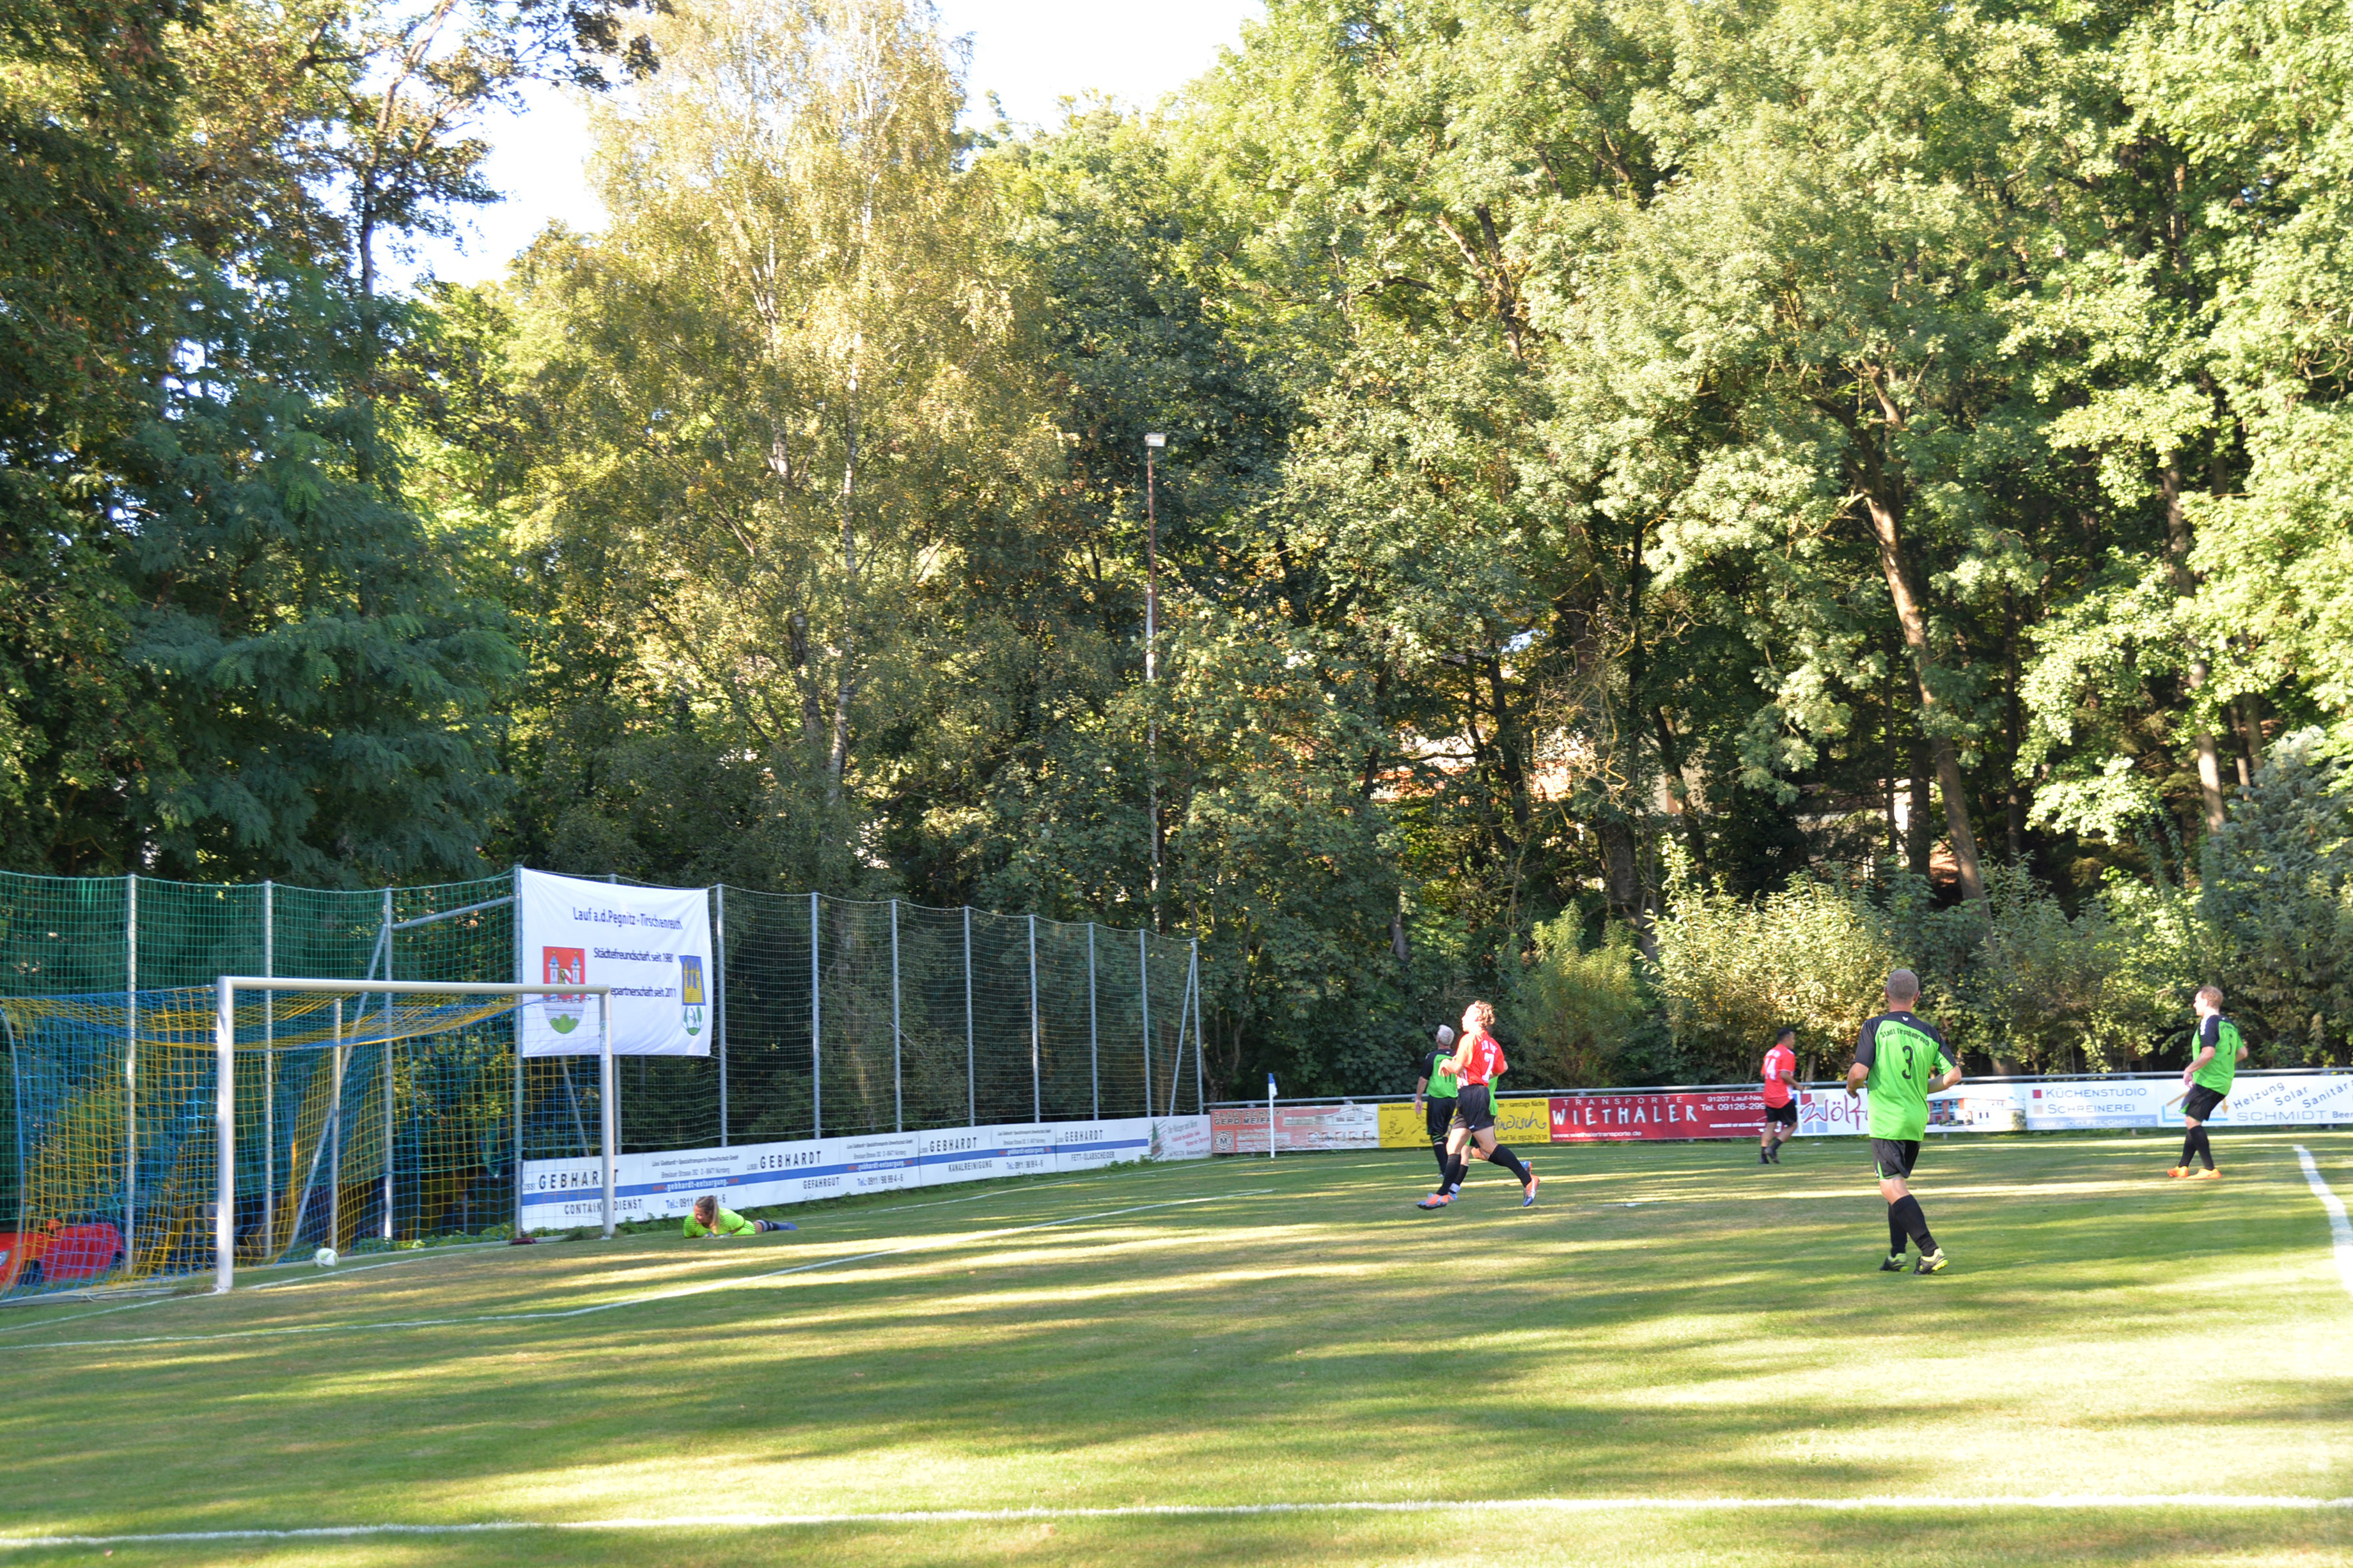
(679, 1293)
(2340, 1229)
(2058, 1503)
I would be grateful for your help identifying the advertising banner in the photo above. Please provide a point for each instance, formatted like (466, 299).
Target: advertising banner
(1403, 1127)
(1241, 1130)
(651, 945)
(1640, 1114)
(1517, 1121)
(2257, 1100)
(1983, 1107)
(1830, 1113)
(561, 1193)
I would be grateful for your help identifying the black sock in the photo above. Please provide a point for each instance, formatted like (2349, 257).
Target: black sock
(2189, 1147)
(1450, 1179)
(1510, 1162)
(2205, 1147)
(1907, 1213)
(1894, 1232)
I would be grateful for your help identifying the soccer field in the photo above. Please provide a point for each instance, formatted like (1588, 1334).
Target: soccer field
(1671, 1325)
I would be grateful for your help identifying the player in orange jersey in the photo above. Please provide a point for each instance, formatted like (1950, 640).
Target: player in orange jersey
(1478, 1062)
(1780, 1097)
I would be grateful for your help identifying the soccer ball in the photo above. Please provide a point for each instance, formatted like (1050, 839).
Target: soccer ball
(324, 1258)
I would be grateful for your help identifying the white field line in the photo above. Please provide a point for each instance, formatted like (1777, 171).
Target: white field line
(328, 1277)
(2057, 1503)
(2340, 1229)
(930, 1243)
(76, 1316)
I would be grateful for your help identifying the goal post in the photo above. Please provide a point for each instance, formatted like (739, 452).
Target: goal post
(474, 1000)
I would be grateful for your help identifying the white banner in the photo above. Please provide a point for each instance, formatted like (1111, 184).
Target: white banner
(2257, 1100)
(1833, 1113)
(562, 1192)
(651, 945)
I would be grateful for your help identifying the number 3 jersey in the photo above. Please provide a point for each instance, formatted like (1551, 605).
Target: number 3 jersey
(1902, 1053)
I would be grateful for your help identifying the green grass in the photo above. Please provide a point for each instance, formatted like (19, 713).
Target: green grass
(1670, 1322)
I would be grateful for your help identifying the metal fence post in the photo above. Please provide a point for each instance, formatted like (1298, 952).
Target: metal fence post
(131, 1074)
(971, 1081)
(1143, 992)
(518, 1016)
(898, 1090)
(389, 974)
(816, 1038)
(1200, 1006)
(1094, 1048)
(719, 1002)
(1036, 1095)
(269, 1070)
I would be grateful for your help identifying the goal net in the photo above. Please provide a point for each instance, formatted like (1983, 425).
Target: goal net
(352, 1114)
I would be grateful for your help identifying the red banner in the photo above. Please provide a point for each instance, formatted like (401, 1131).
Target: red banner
(1617, 1118)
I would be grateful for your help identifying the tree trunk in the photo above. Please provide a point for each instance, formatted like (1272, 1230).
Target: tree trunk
(1679, 788)
(1918, 842)
(2014, 799)
(1913, 619)
(1621, 875)
(2185, 584)
(845, 686)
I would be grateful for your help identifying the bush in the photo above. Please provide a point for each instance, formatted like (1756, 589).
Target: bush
(1578, 1014)
(1814, 957)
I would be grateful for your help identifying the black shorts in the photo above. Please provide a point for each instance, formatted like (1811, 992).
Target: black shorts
(2198, 1105)
(1472, 1111)
(1786, 1115)
(1437, 1114)
(1894, 1156)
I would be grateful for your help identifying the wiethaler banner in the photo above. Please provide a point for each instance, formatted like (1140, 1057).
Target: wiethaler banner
(651, 945)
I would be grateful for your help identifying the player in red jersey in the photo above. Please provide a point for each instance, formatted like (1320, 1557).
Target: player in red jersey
(1478, 1062)
(1780, 1097)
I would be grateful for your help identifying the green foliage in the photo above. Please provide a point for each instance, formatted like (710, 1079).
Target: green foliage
(1602, 436)
(1813, 957)
(2277, 891)
(1577, 1014)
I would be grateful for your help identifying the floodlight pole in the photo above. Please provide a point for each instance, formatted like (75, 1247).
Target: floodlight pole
(1153, 442)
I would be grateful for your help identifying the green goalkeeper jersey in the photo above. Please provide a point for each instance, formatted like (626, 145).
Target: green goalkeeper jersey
(726, 1222)
(2223, 1036)
(1903, 1054)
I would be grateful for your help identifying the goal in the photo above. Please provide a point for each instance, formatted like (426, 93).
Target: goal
(179, 1132)
(386, 1012)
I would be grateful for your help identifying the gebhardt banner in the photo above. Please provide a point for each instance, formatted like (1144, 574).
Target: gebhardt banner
(561, 1193)
(651, 945)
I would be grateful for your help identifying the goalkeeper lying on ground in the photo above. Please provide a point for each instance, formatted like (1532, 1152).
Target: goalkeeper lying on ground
(710, 1219)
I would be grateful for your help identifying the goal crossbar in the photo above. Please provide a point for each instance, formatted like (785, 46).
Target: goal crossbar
(226, 990)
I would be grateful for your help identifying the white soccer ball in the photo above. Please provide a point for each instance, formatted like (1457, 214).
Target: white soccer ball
(324, 1258)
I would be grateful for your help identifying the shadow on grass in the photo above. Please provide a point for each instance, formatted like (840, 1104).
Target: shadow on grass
(1323, 1343)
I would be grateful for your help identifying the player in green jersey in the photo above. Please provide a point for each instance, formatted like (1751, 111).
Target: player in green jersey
(2207, 1081)
(1903, 1060)
(1433, 1095)
(710, 1219)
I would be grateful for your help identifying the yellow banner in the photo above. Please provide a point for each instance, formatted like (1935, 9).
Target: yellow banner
(1402, 1127)
(1517, 1121)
